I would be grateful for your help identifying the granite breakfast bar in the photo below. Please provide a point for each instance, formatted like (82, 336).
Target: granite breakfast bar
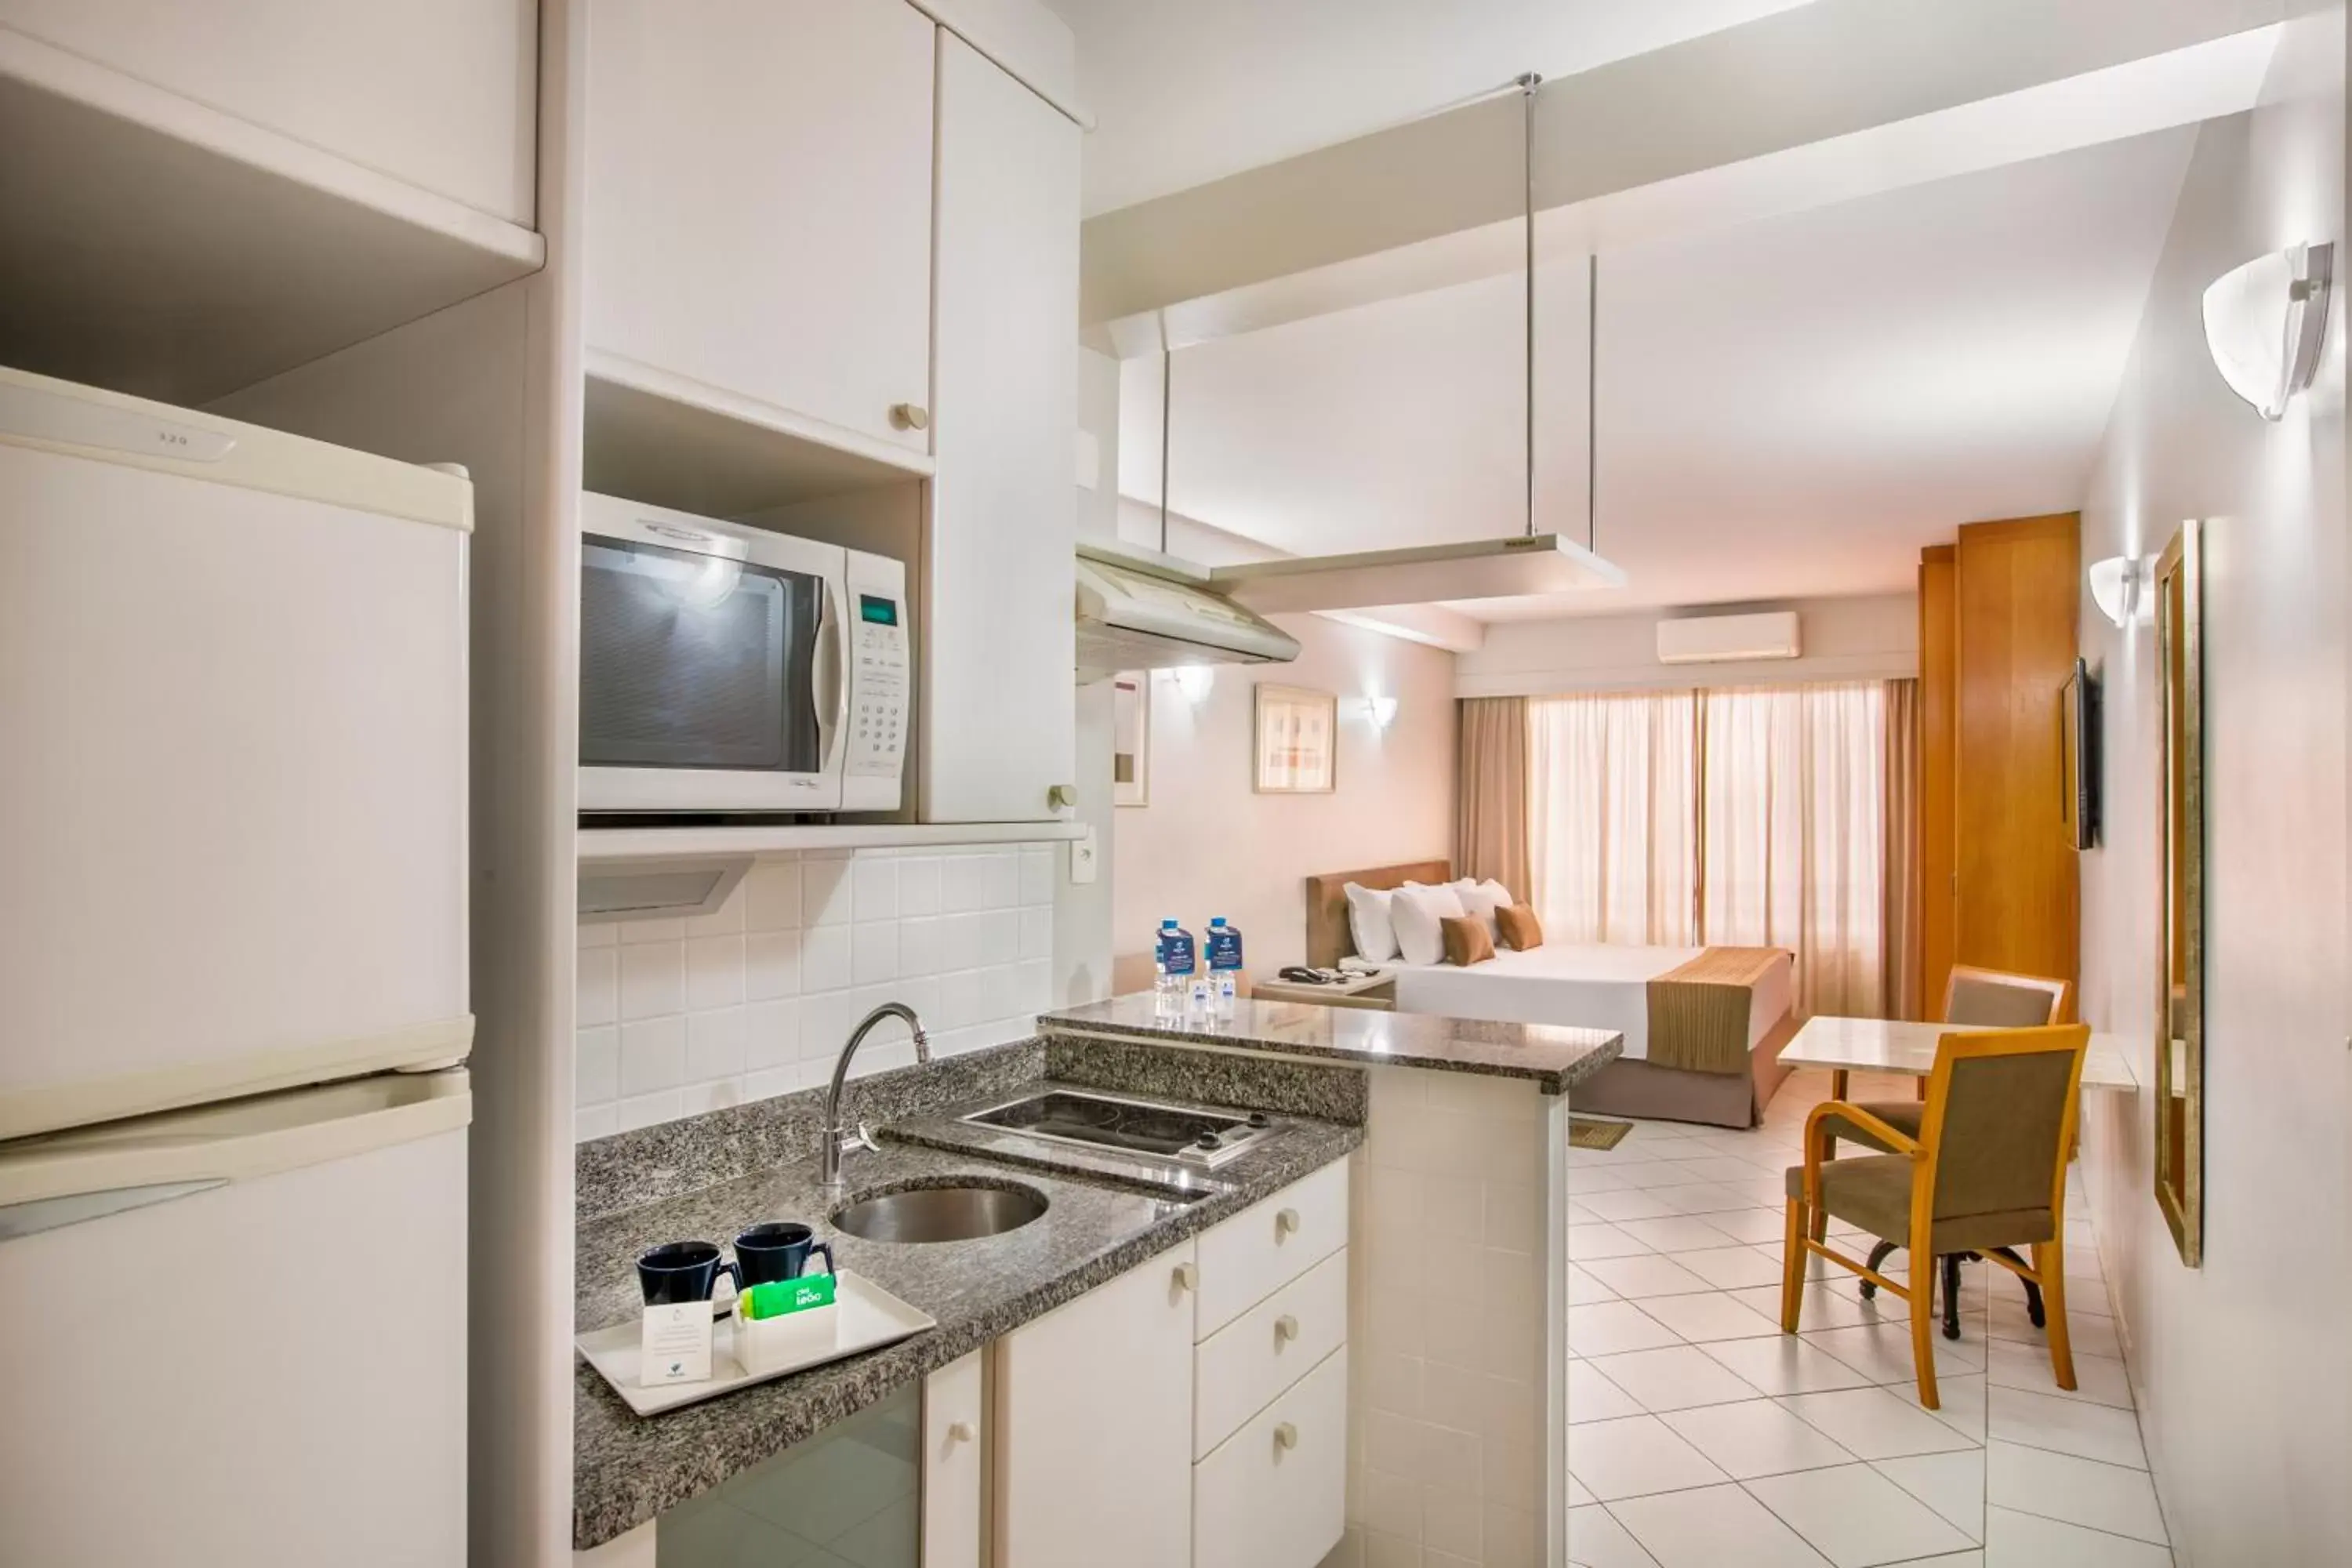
(1458, 1250)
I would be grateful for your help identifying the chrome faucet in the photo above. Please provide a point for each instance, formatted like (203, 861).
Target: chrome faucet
(838, 1140)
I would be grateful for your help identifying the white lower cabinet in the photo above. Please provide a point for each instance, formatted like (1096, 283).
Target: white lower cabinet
(1273, 1495)
(1094, 1426)
(955, 1471)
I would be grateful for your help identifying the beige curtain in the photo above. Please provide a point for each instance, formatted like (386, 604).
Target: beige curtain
(1901, 961)
(1490, 808)
(1612, 780)
(1795, 805)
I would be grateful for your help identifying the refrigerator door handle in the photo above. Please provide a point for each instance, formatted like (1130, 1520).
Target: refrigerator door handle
(54, 1214)
(66, 1178)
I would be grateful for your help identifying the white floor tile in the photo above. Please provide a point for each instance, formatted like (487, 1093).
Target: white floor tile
(1606, 1328)
(1961, 1405)
(2073, 1491)
(2097, 1378)
(1874, 1424)
(1678, 1233)
(1634, 1457)
(2089, 1334)
(1951, 1484)
(1957, 1560)
(1642, 1273)
(1718, 1168)
(1857, 1518)
(1883, 1352)
(1584, 1288)
(1586, 1242)
(1647, 1174)
(1577, 1496)
(2072, 1427)
(1714, 1316)
(1703, 1197)
(1678, 1377)
(1593, 1398)
(1733, 1268)
(1615, 1206)
(1756, 1226)
(1756, 1438)
(2024, 1541)
(1785, 1364)
(1714, 1529)
(1578, 1215)
(1597, 1540)
(1832, 1305)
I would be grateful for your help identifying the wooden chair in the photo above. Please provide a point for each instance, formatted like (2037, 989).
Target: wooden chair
(1980, 999)
(1986, 1173)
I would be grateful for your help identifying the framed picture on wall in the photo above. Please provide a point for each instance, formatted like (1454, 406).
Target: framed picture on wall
(1131, 745)
(1297, 750)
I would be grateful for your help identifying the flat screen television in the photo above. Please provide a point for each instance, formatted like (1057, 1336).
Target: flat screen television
(2078, 707)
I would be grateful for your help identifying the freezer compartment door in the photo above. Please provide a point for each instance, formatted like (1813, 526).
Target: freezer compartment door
(268, 1369)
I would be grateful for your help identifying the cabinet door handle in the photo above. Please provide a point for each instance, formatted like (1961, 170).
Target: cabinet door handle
(960, 1432)
(1188, 1277)
(1285, 1435)
(1286, 1223)
(1286, 1329)
(910, 416)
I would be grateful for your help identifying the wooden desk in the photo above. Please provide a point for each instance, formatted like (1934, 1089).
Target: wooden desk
(1887, 1045)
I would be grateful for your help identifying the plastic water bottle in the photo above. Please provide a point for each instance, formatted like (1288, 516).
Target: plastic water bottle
(1173, 963)
(1225, 944)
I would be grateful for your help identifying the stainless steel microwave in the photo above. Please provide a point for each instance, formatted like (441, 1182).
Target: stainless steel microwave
(727, 669)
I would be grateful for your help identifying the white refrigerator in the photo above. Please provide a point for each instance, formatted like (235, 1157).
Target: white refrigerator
(233, 993)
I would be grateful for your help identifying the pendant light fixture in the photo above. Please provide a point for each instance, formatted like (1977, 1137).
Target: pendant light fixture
(1528, 564)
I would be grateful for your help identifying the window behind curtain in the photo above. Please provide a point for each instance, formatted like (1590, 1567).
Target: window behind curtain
(1794, 825)
(1612, 795)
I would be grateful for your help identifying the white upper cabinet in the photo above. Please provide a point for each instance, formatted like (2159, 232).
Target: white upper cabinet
(441, 94)
(759, 204)
(1000, 653)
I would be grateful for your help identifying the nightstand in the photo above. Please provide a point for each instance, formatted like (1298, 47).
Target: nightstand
(1376, 993)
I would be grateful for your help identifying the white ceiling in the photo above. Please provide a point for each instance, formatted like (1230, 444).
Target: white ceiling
(1185, 91)
(1790, 406)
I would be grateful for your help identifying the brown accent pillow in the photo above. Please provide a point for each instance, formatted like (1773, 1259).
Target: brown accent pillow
(1466, 942)
(1520, 929)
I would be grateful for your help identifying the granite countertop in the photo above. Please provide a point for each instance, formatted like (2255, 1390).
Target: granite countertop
(1557, 1057)
(626, 1470)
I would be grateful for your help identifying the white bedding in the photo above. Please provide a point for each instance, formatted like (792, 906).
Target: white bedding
(1593, 986)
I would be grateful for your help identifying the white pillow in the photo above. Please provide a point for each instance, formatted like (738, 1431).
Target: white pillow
(1369, 922)
(1499, 893)
(1478, 899)
(1415, 911)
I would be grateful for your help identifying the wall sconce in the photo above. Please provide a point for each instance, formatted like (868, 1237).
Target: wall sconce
(2119, 587)
(1383, 712)
(1195, 680)
(2266, 324)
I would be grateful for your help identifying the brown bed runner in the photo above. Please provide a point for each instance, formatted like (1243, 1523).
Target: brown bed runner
(1699, 1011)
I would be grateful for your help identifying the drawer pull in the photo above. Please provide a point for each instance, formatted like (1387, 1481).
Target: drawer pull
(910, 416)
(1285, 1435)
(1188, 1277)
(1286, 1223)
(960, 1432)
(1286, 1329)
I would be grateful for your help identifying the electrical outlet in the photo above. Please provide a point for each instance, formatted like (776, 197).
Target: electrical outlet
(1085, 862)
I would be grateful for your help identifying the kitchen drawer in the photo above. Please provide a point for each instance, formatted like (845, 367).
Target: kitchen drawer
(1266, 1246)
(1275, 1494)
(1239, 1370)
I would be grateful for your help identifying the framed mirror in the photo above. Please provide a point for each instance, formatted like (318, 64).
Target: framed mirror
(2181, 1003)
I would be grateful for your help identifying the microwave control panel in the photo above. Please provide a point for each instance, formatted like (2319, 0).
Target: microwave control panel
(881, 684)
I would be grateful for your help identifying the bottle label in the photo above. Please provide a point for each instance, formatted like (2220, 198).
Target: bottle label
(1176, 952)
(1225, 949)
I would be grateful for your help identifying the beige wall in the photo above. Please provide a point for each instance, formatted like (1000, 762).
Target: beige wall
(1865, 636)
(1207, 845)
(2243, 1365)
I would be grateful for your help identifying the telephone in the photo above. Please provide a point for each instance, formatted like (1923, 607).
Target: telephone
(1302, 975)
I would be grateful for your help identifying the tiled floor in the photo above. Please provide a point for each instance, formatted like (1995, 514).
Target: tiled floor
(1701, 1437)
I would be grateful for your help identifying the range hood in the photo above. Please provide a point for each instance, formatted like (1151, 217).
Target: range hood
(1141, 610)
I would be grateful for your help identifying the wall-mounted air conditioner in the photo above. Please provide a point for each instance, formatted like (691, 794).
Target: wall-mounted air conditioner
(1728, 639)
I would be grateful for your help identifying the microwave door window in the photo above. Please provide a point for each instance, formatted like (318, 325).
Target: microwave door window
(692, 661)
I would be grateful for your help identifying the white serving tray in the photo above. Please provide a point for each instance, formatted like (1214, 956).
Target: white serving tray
(865, 1317)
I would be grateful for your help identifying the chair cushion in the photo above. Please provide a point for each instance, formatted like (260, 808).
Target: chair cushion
(1874, 1191)
(1905, 1116)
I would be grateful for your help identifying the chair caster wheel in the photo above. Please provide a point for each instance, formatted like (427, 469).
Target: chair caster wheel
(1951, 1331)
(2040, 1318)
(1868, 1289)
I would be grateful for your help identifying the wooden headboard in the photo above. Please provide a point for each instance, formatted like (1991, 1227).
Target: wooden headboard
(1328, 938)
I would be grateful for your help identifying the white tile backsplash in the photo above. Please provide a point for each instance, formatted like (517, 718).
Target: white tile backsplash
(680, 1017)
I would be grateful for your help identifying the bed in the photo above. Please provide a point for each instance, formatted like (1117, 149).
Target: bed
(1703, 1027)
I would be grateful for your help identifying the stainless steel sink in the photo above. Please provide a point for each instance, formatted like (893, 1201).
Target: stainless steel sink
(942, 1214)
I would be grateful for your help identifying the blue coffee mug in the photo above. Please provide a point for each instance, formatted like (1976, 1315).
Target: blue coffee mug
(779, 1249)
(680, 1271)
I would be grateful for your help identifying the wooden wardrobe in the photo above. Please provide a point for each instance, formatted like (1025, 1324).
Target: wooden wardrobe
(1998, 878)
